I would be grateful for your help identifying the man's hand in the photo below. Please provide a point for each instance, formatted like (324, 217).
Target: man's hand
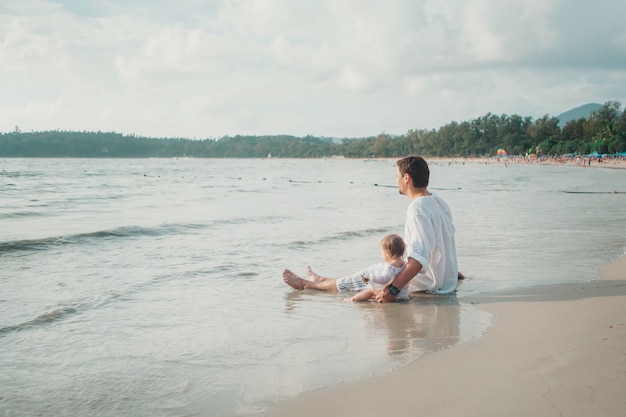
(384, 296)
(411, 269)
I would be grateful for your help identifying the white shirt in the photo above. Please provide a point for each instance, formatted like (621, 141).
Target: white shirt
(429, 236)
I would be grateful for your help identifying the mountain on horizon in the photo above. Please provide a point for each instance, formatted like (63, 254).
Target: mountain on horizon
(580, 112)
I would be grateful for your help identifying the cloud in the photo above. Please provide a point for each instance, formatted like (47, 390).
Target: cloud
(196, 68)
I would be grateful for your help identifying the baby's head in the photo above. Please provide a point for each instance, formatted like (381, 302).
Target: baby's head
(393, 245)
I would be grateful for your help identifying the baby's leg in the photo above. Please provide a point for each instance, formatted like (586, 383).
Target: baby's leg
(314, 276)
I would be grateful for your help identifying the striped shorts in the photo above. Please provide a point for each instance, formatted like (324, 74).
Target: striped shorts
(353, 282)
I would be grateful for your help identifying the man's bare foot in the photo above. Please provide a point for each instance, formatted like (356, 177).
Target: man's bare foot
(312, 275)
(293, 280)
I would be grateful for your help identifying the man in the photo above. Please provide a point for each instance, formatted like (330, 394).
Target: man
(428, 233)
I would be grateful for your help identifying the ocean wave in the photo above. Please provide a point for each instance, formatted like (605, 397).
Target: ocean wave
(122, 233)
(51, 316)
(344, 236)
(22, 214)
(592, 192)
(17, 174)
(81, 238)
(61, 312)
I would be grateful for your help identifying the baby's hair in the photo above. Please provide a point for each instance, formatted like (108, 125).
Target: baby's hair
(393, 244)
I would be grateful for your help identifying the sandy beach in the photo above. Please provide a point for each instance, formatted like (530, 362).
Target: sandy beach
(554, 350)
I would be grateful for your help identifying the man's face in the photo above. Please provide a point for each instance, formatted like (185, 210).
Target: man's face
(400, 181)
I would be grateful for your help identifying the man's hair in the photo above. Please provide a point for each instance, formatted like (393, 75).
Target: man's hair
(393, 244)
(417, 168)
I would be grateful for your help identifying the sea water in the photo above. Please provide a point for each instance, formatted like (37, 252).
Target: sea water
(152, 287)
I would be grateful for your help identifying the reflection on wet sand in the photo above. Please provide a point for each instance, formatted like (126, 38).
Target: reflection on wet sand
(422, 325)
(366, 338)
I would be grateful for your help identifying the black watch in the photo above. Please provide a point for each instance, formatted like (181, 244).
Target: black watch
(393, 290)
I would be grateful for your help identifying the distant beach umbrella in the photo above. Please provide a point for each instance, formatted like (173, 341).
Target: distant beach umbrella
(500, 153)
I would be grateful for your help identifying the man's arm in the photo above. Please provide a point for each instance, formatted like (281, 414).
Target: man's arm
(412, 268)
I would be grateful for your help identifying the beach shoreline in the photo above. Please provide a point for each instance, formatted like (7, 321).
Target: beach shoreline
(552, 350)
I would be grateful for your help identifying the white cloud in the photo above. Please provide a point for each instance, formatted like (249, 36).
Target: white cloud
(480, 39)
(198, 68)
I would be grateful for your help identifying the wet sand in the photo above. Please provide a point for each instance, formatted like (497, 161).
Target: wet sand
(554, 350)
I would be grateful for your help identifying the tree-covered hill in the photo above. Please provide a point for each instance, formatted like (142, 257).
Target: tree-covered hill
(580, 112)
(604, 131)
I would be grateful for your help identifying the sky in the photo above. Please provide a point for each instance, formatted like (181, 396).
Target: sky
(329, 68)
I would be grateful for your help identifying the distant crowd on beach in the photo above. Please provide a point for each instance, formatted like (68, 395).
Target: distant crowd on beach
(605, 160)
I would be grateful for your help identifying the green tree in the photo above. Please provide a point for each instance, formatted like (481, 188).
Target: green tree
(546, 133)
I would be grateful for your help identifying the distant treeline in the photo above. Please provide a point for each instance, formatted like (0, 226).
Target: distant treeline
(603, 132)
